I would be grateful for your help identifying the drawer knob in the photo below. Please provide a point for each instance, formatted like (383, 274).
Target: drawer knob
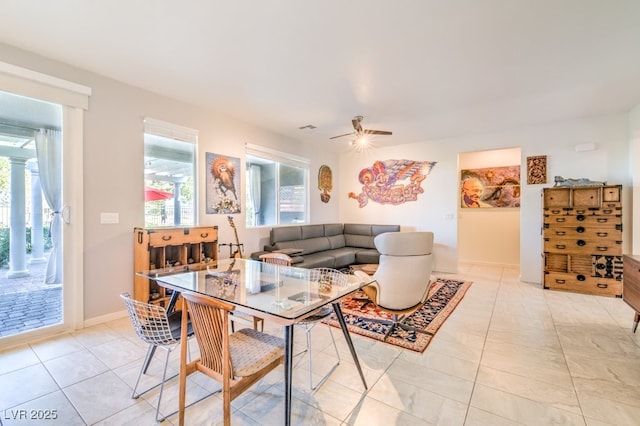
(559, 281)
(600, 285)
(602, 234)
(561, 246)
(601, 248)
(166, 237)
(580, 229)
(581, 242)
(581, 217)
(581, 277)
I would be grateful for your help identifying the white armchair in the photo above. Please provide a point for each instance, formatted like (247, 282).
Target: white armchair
(401, 283)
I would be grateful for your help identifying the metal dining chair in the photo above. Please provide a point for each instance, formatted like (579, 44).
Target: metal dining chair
(154, 326)
(324, 277)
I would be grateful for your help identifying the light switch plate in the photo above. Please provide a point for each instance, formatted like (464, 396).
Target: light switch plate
(109, 218)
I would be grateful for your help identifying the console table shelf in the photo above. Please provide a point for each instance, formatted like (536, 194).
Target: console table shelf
(155, 248)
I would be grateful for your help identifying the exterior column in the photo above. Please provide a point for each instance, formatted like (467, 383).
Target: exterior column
(37, 237)
(18, 232)
(177, 210)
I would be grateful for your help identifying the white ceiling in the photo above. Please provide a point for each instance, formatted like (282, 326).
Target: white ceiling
(423, 69)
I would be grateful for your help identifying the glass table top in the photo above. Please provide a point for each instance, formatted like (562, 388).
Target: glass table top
(282, 291)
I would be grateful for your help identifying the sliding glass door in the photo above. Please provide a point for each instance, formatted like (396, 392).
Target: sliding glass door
(31, 210)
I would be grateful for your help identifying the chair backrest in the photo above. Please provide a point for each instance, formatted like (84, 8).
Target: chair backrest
(210, 320)
(332, 276)
(149, 321)
(404, 272)
(276, 259)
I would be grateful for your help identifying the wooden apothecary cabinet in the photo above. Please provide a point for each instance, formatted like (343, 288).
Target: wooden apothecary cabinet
(582, 239)
(155, 248)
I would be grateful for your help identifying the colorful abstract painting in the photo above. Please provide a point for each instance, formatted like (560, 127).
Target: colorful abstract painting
(223, 184)
(490, 187)
(392, 181)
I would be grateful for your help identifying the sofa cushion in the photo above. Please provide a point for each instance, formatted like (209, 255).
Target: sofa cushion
(357, 228)
(367, 256)
(285, 233)
(311, 231)
(363, 241)
(317, 260)
(308, 246)
(337, 241)
(343, 256)
(379, 229)
(333, 229)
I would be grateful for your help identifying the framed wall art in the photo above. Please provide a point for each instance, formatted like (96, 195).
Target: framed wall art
(223, 184)
(490, 187)
(537, 169)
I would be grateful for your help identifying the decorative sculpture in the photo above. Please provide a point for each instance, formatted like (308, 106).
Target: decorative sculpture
(569, 182)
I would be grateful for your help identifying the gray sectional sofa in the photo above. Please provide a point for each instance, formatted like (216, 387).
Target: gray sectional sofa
(333, 245)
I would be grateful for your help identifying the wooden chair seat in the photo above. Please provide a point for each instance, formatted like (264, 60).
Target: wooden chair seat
(236, 360)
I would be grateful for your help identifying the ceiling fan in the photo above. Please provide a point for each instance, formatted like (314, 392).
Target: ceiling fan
(359, 131)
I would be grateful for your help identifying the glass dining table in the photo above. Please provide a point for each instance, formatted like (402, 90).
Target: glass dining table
(285, 295)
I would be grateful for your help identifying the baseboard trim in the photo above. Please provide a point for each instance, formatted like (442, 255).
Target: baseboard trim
(105, 318)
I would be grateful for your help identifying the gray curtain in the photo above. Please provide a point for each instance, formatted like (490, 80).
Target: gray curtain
(49, 151)
(255, 191)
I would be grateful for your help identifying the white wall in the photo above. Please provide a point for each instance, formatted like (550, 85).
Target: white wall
(436, 209)
(634, 164)
(489, 235)
(114, 172)
(113, 176)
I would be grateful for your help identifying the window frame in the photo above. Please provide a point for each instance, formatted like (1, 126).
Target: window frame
(278, 159)
(181, 134)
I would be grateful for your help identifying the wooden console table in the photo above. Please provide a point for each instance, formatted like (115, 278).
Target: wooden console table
(631, 285)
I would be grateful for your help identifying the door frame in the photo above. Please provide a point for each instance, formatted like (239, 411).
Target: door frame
(74, 99)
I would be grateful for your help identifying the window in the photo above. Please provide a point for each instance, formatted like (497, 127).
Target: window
(277, 188)
(169, 174)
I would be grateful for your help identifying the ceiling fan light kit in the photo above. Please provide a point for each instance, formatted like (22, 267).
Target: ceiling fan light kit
(360, 141)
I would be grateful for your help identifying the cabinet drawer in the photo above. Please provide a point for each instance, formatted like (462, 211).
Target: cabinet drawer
(582, 246)
(174, 237)
(181, 236)
(582, 232)
(587, 221)
(611, 193)
(555, 198)
(583, 284)
(586, 197)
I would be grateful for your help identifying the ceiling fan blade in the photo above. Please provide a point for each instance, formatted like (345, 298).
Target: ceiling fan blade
(376, 132)
(356, 124)
(341, 136)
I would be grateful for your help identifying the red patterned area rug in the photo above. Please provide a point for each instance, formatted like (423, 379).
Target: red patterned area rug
(444, 296)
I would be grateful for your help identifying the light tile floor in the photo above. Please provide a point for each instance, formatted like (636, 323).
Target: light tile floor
(510, 354)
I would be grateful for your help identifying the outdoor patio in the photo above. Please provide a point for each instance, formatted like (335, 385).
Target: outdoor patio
(27, 303)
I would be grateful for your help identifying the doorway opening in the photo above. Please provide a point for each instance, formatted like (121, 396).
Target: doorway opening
(489, 208)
